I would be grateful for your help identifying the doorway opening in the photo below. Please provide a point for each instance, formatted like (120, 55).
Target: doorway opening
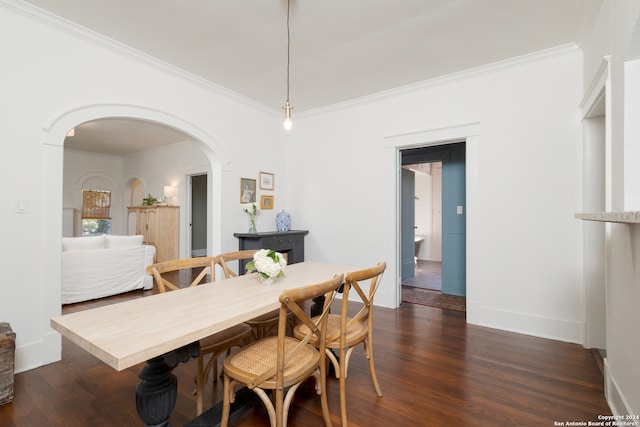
(427, 273)
(595, 199)
(198, 220)
(433, 224)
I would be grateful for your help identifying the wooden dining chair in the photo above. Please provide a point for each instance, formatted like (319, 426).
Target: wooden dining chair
(345, 332)
(262, 325)
(168, 276)
(281, 363)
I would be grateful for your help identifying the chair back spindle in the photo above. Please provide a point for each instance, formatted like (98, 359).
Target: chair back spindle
(161, 271)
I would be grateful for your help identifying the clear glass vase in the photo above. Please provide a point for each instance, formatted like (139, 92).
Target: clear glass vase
(266, 280)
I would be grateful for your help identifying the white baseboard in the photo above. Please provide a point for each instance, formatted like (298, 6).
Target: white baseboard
(473, 312)
(51, 347)
(198, 252)
(522, 323)
(617, 403)
(36, 354)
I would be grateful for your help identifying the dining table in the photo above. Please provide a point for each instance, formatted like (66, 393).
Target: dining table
(164, 329)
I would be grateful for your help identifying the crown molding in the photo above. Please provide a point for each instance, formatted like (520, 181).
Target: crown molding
(62, 25)
(595, 91)
(589, 22)
(448, 78)
(65, 26)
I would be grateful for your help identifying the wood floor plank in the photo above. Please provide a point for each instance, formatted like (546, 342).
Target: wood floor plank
(433, 369)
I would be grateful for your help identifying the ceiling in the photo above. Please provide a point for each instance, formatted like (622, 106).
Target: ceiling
(119, 136)
(340, 50)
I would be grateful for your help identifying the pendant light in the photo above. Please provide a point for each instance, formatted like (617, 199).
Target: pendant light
(288, 124)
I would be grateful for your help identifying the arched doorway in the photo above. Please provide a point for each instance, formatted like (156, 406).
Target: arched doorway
(54, 134)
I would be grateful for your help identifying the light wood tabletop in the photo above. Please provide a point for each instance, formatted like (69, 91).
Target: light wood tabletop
(127, 333)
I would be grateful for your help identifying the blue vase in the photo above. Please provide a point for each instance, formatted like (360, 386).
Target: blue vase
(283, 221)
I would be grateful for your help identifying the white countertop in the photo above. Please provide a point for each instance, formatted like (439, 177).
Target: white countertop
(629, 217)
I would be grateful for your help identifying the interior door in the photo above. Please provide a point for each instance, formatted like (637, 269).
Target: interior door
(435, 237)
(454, 215)
(407, 223)
(198, 215)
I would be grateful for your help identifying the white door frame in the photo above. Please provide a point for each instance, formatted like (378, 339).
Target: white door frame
(469, 132)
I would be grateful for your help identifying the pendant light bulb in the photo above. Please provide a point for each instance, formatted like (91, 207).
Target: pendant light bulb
(288, 124)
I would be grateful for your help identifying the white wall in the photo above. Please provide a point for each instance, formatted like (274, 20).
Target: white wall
(83, 170)
(616, 22)
(525, 247)
(423, 212)
(428, 210)
(171, 165)
(632, 134)
(51, 80)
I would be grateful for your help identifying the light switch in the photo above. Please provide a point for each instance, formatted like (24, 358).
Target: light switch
(22, 205)
(459, 210)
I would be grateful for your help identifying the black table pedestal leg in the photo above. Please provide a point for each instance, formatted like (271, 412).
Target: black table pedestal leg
(158, 388)
(318, 303)
(316, 307)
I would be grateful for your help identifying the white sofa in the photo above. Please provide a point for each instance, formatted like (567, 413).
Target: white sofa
(101, 266)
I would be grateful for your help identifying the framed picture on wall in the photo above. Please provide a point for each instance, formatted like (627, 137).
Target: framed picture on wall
(247, 190)
(266, 181)
(266, 202)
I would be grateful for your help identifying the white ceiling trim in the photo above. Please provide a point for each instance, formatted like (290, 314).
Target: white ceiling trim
(589, 23)
(453, 77)
(592, 95)
(68, 27)
(65, 26)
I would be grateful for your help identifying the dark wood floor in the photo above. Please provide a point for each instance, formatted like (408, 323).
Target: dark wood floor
(433, 369)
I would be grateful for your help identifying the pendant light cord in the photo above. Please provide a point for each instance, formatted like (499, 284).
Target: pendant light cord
(288, 46)
(287, 106)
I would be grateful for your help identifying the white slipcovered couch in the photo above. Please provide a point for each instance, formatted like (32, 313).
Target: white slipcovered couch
(101, 266)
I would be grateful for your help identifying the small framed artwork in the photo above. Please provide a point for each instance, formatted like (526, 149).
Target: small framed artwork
(266, 202)
(247, 190)
(266, 181)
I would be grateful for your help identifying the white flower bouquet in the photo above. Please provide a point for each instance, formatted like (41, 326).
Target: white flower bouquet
(269, 264)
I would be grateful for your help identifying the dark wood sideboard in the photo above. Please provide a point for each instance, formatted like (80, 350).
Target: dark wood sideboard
(289, 242)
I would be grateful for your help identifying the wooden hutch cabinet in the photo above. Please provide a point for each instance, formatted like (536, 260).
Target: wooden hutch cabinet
(158, 226)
